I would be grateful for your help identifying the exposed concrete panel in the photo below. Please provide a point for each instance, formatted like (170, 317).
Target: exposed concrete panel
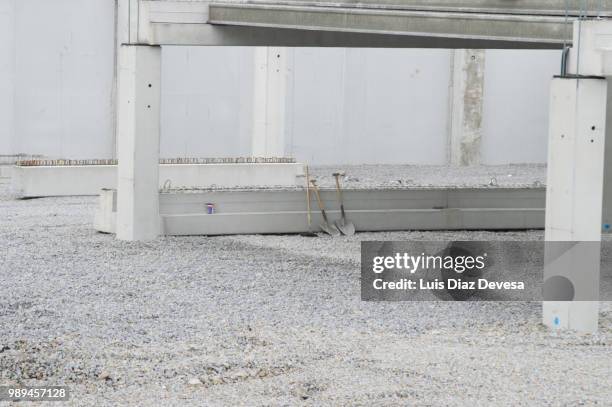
(7, 75)
(355, 106)
(207, 97)
(516, 100)
(64, 78)
(285, 211)
(466, 106)
(273, 65)
(207, 101)
(37, 181)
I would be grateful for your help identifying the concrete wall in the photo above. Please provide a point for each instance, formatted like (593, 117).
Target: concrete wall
(516, 99)
(369, 106)
(64, 77)
(7, 74)
(206, 101)
(344, 106)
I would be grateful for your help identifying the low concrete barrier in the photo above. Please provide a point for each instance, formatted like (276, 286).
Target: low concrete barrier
(64, 180)
(278, 211)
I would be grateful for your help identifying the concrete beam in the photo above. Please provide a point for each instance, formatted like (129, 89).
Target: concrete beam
(403, 23)
(522, 7)
(39, 181)
(138, 124)
(466, 106)
(390, 20)
(285, 211)
(592, 50)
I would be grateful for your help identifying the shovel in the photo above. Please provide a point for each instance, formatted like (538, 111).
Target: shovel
(308, 213)
(345, 226)
(326, 226)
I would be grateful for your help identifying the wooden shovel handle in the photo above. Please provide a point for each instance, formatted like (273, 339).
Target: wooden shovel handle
(316, 190)
(338, 189)
(309, 215)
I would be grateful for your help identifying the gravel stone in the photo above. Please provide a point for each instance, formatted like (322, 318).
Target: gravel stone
(264, 320)
(411, 176)
(194, 381)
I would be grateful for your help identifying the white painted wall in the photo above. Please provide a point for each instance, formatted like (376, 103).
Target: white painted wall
(369, 106)
(517, 89)
(206, 101)
(344, 106)
(64, 77)
(7, 75)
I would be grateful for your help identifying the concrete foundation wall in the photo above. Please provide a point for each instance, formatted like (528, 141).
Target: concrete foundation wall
(29, 182)
(285, 211)
(343, 106)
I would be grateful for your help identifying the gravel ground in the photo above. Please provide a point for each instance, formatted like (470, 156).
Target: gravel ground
(416, 176)
(262, 320)
(377, 176)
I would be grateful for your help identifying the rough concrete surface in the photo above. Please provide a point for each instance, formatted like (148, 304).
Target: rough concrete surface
(262, 320)
(398, 176)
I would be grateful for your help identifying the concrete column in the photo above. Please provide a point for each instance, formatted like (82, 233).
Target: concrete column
(607, 199)
(466, 106)
(574, 202)
(138, 128)
(578, 165)
(272, 66)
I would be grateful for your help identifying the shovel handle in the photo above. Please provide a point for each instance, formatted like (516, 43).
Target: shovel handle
(309, 216)
(340, 198)
(316, 190)
(338, 189)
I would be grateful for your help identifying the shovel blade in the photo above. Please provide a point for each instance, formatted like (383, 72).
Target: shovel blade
(346, 228)
(330, 229)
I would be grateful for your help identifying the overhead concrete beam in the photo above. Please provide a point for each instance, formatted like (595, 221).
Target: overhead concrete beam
(401, 23)
(442, 24)
(534, 7)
